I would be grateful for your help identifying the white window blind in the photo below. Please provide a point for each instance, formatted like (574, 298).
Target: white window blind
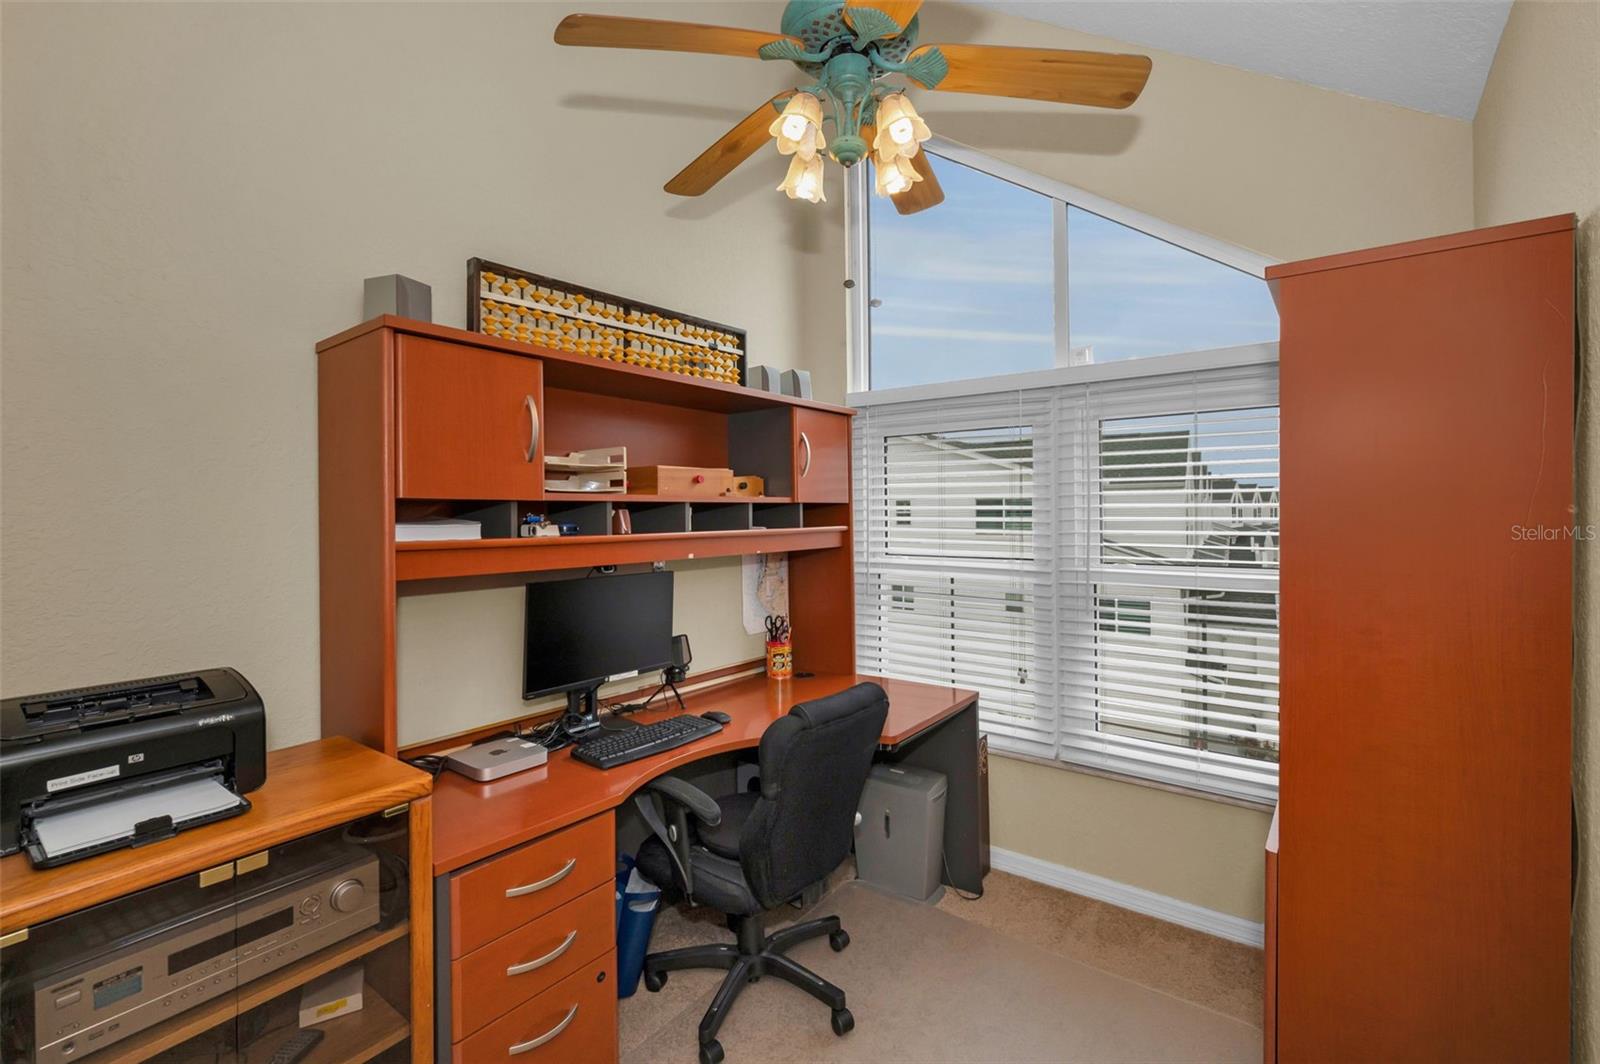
(954, 554)
(1098, 560)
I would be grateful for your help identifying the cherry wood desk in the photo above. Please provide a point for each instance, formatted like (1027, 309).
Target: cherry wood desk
(477, 820)
(523, 866)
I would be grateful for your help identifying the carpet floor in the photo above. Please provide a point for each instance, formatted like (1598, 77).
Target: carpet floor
(1017, 982)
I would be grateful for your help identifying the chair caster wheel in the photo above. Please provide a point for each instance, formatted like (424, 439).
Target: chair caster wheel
(843, 1022)
(711, 1052)
(654, 981)
(839, 940)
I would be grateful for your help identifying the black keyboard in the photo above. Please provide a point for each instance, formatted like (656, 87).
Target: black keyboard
(619, 747)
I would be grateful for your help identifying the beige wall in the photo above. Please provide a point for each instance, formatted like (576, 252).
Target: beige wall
(1536, 144)
(1207, 853)
(192, 195)
(1282, 168)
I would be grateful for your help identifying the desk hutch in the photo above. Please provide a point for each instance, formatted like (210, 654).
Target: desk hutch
(420, 420)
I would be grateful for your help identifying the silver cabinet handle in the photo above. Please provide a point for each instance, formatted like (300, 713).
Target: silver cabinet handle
(547, 881)
(528, 966)
(535, 1043)
(533, 428)
(805, 466)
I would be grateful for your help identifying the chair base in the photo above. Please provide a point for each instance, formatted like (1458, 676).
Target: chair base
(755, 955)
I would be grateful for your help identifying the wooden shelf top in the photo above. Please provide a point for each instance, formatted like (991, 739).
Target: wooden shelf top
(565, 369)
(472, 821)
(635, 497)
(309, 787)
(447, 559)
(1555, 223)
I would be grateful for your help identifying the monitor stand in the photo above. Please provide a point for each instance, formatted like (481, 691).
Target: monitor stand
(582, 720)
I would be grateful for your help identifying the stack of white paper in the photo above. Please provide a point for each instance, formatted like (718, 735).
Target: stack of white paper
(436, 529)
(78, 829)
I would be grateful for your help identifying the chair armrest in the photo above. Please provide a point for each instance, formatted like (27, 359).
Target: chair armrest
(702, 805)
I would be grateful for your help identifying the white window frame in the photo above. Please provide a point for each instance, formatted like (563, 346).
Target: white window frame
(858, 335)
(858, 287)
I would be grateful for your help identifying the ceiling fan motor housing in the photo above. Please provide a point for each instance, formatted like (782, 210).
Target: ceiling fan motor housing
(821, 25)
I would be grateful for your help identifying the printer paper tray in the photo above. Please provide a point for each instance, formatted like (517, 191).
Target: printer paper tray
(143, 815)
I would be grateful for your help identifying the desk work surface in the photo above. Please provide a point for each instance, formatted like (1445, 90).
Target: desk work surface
(472, 821)
(309, 787)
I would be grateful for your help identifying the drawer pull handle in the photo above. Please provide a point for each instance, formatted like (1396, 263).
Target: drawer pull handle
(805, 466)
(547, 881)
(533, 429)
(535, 1043)
(540, 962)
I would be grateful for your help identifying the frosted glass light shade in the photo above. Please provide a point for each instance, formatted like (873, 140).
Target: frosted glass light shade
(901, 130)
(804, 179)
(798, 130)
(894, 175)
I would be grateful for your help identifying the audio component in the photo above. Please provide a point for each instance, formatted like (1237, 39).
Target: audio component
(137, 965)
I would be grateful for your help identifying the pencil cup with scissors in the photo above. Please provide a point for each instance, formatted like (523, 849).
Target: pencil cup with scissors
(780, 651)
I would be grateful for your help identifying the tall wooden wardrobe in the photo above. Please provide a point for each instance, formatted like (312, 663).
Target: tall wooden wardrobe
(1424, 875)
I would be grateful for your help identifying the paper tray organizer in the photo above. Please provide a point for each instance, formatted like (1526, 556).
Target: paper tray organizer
(133, 813)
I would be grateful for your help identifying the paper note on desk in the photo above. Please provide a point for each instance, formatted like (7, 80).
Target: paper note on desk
(765, 579)
(78, 829)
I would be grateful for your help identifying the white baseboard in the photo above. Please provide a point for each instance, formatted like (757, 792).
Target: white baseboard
(1139, 900)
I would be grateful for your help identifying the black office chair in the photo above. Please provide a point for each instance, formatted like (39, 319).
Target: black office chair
(750, 852)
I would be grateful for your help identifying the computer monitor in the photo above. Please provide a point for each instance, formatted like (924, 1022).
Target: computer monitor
(580, 633)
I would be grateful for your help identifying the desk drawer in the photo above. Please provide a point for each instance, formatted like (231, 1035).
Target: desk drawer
(575, 1020)
(508, 891)
(514, 967)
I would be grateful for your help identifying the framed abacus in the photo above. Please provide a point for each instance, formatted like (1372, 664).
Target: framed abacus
(520, 305)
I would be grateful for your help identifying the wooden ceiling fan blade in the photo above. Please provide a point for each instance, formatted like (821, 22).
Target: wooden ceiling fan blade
(925, 193)
(900, 12)
(1093, 79)
(614, 31)
(733, 148)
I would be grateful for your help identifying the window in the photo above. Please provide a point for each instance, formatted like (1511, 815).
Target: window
(1188, 522)
(1067, 452)
(1123, 616)
(1005, 515)
(1015, 273)
(1132, 295)
(943, 599)
(968, 293)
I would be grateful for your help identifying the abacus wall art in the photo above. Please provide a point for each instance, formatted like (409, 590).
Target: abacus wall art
(530, 308)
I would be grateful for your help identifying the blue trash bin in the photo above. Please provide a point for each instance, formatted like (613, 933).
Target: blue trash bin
(638, 900)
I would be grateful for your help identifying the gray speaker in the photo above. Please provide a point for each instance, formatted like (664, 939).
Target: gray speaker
(399, 295)
(797, 382)
(763, 377)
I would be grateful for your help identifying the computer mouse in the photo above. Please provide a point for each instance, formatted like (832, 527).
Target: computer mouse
(716, 715)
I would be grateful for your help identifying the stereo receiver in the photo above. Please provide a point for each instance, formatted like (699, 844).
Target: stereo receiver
(125, 968)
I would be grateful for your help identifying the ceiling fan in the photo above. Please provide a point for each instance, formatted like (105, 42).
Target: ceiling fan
(851, 49)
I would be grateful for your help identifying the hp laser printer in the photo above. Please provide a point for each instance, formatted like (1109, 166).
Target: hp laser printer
(95, 769)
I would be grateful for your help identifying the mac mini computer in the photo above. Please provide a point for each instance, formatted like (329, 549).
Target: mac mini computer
(496, 758)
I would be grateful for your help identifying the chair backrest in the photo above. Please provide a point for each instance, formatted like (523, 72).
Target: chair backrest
(814, 763)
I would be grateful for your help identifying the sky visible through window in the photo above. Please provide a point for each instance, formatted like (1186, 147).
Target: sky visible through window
(966, 289)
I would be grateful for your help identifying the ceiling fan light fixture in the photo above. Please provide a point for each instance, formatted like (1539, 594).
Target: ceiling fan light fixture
(804, 179)
(901, 130)
(798, 130)
(894, 175)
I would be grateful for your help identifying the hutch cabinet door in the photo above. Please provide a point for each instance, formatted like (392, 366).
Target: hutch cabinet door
(469, 423)
(822, 456)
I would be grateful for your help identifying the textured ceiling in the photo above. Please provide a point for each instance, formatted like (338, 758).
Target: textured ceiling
(1430, 55)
